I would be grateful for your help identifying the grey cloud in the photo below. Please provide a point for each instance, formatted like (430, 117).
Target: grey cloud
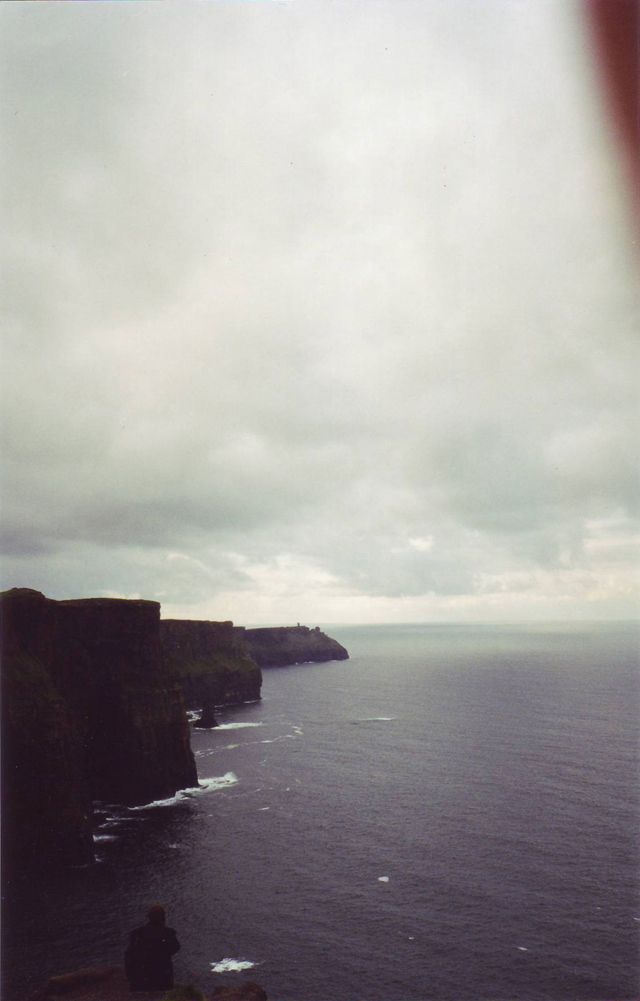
(312, 280)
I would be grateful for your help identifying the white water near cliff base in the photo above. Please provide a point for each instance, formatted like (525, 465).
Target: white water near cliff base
(474, 837)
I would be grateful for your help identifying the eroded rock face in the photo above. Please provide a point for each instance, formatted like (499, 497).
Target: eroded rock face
(209, 663)
(89, 712)
(276, 647)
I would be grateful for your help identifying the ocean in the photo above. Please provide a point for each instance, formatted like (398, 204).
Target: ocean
(451, 814)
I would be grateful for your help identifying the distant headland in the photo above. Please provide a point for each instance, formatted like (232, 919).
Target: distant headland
(284, 645)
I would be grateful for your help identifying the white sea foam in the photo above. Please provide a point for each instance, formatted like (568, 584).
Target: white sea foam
(104, 837)
(205, 785)
(231, 966)
(235, 726)
(383, 879)
(522, 948)
(375, 719)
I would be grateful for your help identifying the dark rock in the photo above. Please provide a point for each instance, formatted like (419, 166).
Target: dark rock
(70, 983)
(108, 983)
(210, 664)
(282, 645)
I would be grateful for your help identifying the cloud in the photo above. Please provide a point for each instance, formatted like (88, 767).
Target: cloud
(315, 303)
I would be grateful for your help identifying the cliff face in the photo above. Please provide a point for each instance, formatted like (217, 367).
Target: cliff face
(283, 645)
(209, 663)
(138, 746)
(88, 712)
(46, 788)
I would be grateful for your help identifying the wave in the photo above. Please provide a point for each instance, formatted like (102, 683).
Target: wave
(235, 726)
(375, 719)
(205, 785)
(231, 965)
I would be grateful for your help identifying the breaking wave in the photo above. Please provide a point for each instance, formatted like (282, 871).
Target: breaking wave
(375, 719)
(205, 785)
(231, 966)
(235, 726)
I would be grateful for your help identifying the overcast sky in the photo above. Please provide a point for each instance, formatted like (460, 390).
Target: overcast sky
(317, 312)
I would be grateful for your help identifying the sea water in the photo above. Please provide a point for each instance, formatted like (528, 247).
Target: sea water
(451, 814)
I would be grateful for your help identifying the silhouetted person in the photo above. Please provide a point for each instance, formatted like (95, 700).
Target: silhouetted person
(147, 961)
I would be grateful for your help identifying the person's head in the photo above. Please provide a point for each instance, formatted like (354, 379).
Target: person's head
(156, 915)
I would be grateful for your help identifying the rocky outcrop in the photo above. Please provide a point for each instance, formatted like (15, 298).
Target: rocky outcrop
(108, 983)
(209, 662)
(93, 981)
(276, 647)
(89, 712)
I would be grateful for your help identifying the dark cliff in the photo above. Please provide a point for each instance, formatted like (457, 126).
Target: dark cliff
(276, 647)
(46, 795)
(209, 662)
(89, 712)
